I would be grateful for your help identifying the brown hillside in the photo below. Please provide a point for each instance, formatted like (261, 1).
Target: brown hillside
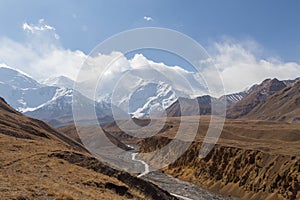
(39, 162)
(253, 159)
(71, 132)
(15, 124)
(283, 105)
(255, 97)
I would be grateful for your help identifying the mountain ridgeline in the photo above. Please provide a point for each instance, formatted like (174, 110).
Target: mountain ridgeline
(257, 94)
(51, 100)
(270, 100)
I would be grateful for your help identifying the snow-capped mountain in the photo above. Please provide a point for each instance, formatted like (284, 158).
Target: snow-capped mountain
(16, 78)
(21, 91)
(58, 111)
(49, 103)
(151, 98)
(59, 106)
(139, 95)
(143, 99)
(140, 86)
(59, 81)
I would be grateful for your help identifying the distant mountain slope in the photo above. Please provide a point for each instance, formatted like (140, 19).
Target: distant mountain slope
(56, 111)
(284, 105)
(241, 104)
(59, 81)
(204, 104)
(151, 97)
(16, 78)
(287, 82)
(232, 98)
(21, 91)
(52, 104)
(39, 162)
(255, 96)
(188, 106)
(71, 132)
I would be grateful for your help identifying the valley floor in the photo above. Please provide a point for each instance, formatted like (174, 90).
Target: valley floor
(252, 159)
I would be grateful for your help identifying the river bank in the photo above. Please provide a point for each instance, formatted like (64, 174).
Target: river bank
(180, 189)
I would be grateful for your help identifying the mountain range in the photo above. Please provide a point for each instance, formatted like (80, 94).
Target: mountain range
(51, 100)
(255, 96)
(270, 100)
(51, 103)
(284, 105)
(53, 163)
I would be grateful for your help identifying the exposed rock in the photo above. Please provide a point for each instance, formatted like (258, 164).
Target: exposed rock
(255, 96)
(235, 171)
(284, 105)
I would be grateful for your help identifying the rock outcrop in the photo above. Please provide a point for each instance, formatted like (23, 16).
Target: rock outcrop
(244, 173)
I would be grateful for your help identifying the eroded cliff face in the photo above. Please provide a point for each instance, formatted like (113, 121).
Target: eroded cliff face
(244, 173)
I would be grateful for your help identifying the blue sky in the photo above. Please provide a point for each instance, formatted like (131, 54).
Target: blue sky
(248, 41)
(83, 24)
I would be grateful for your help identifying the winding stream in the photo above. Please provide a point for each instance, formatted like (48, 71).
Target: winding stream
(180, 189)
(147, 169)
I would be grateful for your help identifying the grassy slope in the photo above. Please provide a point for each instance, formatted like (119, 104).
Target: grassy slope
(39, 162)
(252, 160)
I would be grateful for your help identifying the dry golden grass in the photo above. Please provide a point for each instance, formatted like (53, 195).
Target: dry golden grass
(253, 159)
(268, 136)
(28, 171)
(283, 105)
(39, 162)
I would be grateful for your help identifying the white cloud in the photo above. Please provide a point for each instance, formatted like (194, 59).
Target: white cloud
(41, 62)
(148, 18)
(240, 65)
(39, 28)
(125, 75)
(44, 59)
(41, 55)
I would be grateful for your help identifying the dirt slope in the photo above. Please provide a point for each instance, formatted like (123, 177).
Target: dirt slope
(253, 159)
(284, 105)
(255, 97)
(39, 162)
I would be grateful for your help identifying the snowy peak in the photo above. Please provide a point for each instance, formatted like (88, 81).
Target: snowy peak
(59, 105)
(21, 91)
(51, 101)
(32, 98)
(151, 98)
(16, 78)
(59, 81)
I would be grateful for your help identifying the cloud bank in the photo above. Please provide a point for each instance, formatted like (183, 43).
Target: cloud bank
(42, 55)
(240, 66)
